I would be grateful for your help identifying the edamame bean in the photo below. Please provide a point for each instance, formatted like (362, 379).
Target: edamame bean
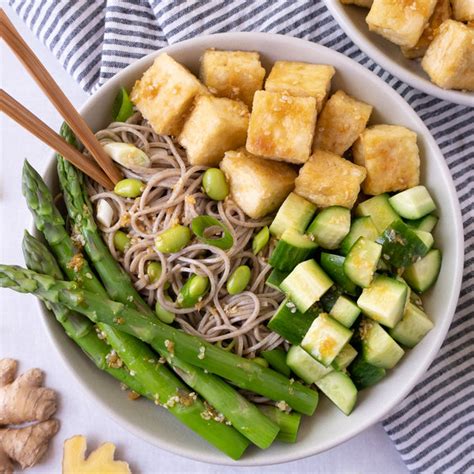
(214, 184)
(121, 241)
(153, 271)
(260, 361)
(193, 291)
(173, 239)
(129, 188)
(163, 314)
(260, 240)
(239, 280)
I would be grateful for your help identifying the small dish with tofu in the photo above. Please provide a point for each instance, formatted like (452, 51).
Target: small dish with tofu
(427, 43)
(292, 210)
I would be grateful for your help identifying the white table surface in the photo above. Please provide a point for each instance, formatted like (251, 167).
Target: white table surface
(22, 335)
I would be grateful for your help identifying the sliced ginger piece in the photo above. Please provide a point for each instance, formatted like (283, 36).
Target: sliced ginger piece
(99, 461)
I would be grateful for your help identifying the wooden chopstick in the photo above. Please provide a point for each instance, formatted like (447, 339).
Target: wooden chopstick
(57, 97)
(38, 128)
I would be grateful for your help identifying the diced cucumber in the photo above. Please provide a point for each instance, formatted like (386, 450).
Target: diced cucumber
(295, 213)
(345, 357)
(306, 284)
(288, 423)
(378, 347)
(413, 203)
(379, 209)
(426, 237)
(361, 227)
(401, 246)
(340, 389)
(276, 358)
(334, 267)
(427, 223)
(361, 261)
(293, 248)
(275, 278)
(413, 326)
(290, 323)
(325, 339)
(408, 297)
(328, 300)
(304, 366)
(384, 300)
(422, 274)
(345, 311)
(383, 266)
(364, 374)
(330, 227)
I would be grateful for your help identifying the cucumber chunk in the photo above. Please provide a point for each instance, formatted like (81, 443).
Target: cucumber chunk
(364, 374)
(380, 211)
(413, 326)
(330, 227)
(290, 323)
(306, 284)
(422, 274)
(361, 261)
(413, 203)
(361, 227)
(345, 311)
(378, 347)
(293, 248)
(427, 223)
(384, 300)
(334, 267)
(304, 366)
(328, 300)
(288, 423)
(426, 237)
(275, 278)
(325, 339)
(340, 389)
(345, 357)
(276, 358)
(295, 213)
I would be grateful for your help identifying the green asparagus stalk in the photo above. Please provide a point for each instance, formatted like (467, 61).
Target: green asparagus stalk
(289, 423)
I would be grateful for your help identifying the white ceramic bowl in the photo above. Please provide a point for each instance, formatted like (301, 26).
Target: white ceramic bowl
(352, 20)
(328, 427)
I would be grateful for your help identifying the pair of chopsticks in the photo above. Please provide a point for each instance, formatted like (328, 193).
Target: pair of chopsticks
(103, 169)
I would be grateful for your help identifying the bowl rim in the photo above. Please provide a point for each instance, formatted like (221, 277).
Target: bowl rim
(338, 11)
(443, 326)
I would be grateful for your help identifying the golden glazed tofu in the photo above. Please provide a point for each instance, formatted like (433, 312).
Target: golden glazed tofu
(359, 3)
(391, 157)
(341, 122)
(257, 185)
(463, 10)
(215, 125)
(165, 93)
(327, 180)
(441, 13)
(301, 80)
(449, 60)
(233, 74)
(400, 21)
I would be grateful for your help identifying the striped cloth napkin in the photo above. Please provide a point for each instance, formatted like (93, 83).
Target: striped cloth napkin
(433, 429)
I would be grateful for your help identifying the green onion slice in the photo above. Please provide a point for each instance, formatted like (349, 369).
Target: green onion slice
(201, 224)
(122, 107)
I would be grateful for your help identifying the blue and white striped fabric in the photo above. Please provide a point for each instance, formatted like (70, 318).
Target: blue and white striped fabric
(433, 429)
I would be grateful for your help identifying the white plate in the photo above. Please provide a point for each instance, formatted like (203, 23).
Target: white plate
(388, 55)
(328, 427)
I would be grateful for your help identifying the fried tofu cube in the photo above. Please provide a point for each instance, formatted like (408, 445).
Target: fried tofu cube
(463, 10)
(359, 3)
(400, 21)
(449, 60)
(233, 74)
(441, 13)
(281, 126)
(391, 157)
(341, 122)
(327, 180)
(257, 185)
(165, 94)
(215, 125)
(301, 80)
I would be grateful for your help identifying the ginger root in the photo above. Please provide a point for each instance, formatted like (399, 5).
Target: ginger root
(101, 460)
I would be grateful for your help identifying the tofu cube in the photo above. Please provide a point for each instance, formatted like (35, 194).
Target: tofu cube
(281, 126)
(359, 3)
(463, 10)
(340, 123)
(214, 126)
(400, 21)
(441, 13)
(301, 80)
(165, 94)
(233, 74)
(257, 185)
(449, 60)
(391, 157)
(329, 180)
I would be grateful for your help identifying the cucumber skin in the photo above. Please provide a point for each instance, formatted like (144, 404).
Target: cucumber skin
(361, 227)
(325, 383)
(364, 374)
(350, 266)
(418, 282)
(334, 267)
(379, 209)
(427, 223)
(285, 256)
(319, 227)
(275, 278)
(328, 300)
